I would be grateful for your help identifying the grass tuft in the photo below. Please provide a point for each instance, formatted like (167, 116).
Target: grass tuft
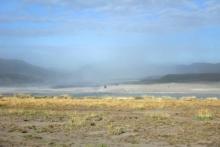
(204, 114)
(115, 130)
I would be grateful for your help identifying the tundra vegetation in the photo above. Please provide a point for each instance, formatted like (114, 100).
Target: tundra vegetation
(109, 121)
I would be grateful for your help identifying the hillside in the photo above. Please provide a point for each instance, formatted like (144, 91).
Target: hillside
(188, 78)
(196, 72)
(18, 72)
(198, 68)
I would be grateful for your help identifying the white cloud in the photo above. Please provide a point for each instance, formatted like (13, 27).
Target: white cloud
(119, 15)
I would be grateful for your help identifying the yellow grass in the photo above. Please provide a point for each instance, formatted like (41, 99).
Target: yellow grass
(55, 120)
(204, 114)
(68, 104)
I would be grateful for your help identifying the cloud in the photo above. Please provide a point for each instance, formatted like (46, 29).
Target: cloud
(116, 15)
(112, 6)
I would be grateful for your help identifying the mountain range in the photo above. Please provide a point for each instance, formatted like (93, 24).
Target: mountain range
(196, 72)
(21, 73)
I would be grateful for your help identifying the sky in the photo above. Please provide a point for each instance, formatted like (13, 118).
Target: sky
(123, 35)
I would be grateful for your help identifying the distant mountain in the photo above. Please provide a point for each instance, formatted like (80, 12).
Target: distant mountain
(196, 72)
(18, 72)
(189, 78)
(198, 68)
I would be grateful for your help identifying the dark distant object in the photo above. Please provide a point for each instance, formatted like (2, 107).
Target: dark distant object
(105, 86)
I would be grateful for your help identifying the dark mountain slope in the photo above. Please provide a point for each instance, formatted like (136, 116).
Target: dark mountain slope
(188, 78)
(196, 72)
(198, 68)
(17, 72)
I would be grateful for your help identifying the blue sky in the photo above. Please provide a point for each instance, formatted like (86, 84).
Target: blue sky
(69, 34)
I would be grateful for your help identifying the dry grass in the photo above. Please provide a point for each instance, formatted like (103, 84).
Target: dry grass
(68, 104)
(63, 121)
(204, 114)
(115, 130)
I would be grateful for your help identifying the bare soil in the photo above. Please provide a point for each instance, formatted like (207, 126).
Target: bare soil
(93, 123)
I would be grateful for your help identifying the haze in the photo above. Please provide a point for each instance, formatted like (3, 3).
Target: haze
(110, 38)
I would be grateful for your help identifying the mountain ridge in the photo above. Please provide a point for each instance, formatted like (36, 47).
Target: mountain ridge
(195, 72)
(18, 72)
(15, 72)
